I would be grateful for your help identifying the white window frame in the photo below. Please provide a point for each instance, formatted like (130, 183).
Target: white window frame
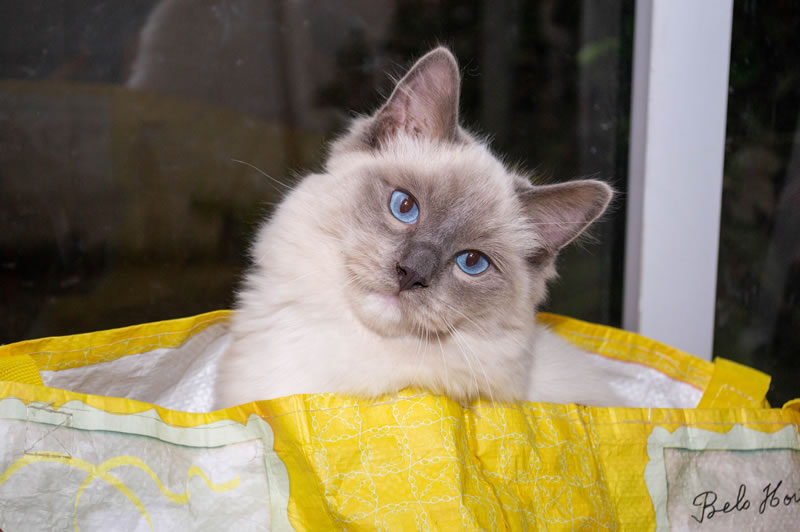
(679, 102)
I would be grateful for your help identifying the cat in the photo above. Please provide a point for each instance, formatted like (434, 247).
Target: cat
(415, 259)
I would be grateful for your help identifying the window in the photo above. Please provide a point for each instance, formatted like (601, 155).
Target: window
(758, 285)
(135, 135)
(142, 142)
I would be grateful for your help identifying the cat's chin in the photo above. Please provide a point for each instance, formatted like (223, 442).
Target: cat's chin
(379, 312)
(383, 314)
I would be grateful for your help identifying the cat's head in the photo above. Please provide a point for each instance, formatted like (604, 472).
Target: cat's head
(434, 232)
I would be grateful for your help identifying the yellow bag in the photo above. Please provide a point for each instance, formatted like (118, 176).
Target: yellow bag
(80, 452)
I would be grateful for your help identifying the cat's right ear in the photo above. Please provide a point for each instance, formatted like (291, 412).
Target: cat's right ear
(563, 211)
(424, 103)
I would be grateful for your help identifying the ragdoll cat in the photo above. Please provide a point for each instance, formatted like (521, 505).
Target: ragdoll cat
(415, 259)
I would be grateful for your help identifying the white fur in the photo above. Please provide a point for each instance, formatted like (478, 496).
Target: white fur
(296, 330)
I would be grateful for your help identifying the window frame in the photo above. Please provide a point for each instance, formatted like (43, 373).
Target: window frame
(681, 61)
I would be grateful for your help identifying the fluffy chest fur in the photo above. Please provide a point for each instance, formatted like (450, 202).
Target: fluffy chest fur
(321, 309)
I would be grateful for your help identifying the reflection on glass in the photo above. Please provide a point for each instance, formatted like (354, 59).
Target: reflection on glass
(141, 141)
(757, 320)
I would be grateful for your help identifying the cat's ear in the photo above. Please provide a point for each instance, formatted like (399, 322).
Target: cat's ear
(561, 212)
(424, 103)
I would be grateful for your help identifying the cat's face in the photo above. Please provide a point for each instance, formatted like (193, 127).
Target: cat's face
(434, 233)
(436, 240)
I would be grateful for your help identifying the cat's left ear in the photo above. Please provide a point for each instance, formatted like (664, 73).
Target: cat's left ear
(424, 103)
(561, 212)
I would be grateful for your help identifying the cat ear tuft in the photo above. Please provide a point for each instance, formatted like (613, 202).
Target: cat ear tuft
(424, 103)
(561, 212)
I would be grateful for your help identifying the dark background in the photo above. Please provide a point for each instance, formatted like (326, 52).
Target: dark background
(121, 201)
(758, 280)
(121, 124)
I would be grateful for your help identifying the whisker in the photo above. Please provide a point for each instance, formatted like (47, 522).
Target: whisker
(480, 328)
(418, 330)
(301, 277)
(457, 336)
(464, 354)
(352, 279)
(483, 370)
(556, 223)
(444, 363)
(473, 322)
(262, 172)
(329, 236)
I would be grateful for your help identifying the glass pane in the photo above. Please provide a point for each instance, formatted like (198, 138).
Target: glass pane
(758, 286)
(142, 141)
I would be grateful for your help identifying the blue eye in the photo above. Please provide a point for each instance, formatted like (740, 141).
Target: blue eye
(404, 207)
(472, 262)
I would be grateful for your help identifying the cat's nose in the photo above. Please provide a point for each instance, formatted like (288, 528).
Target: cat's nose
(409, 278)
(417, 267)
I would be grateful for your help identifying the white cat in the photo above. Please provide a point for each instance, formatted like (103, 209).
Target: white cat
(415, 259)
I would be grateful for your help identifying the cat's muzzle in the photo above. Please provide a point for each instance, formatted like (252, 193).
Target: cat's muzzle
(417, 267)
